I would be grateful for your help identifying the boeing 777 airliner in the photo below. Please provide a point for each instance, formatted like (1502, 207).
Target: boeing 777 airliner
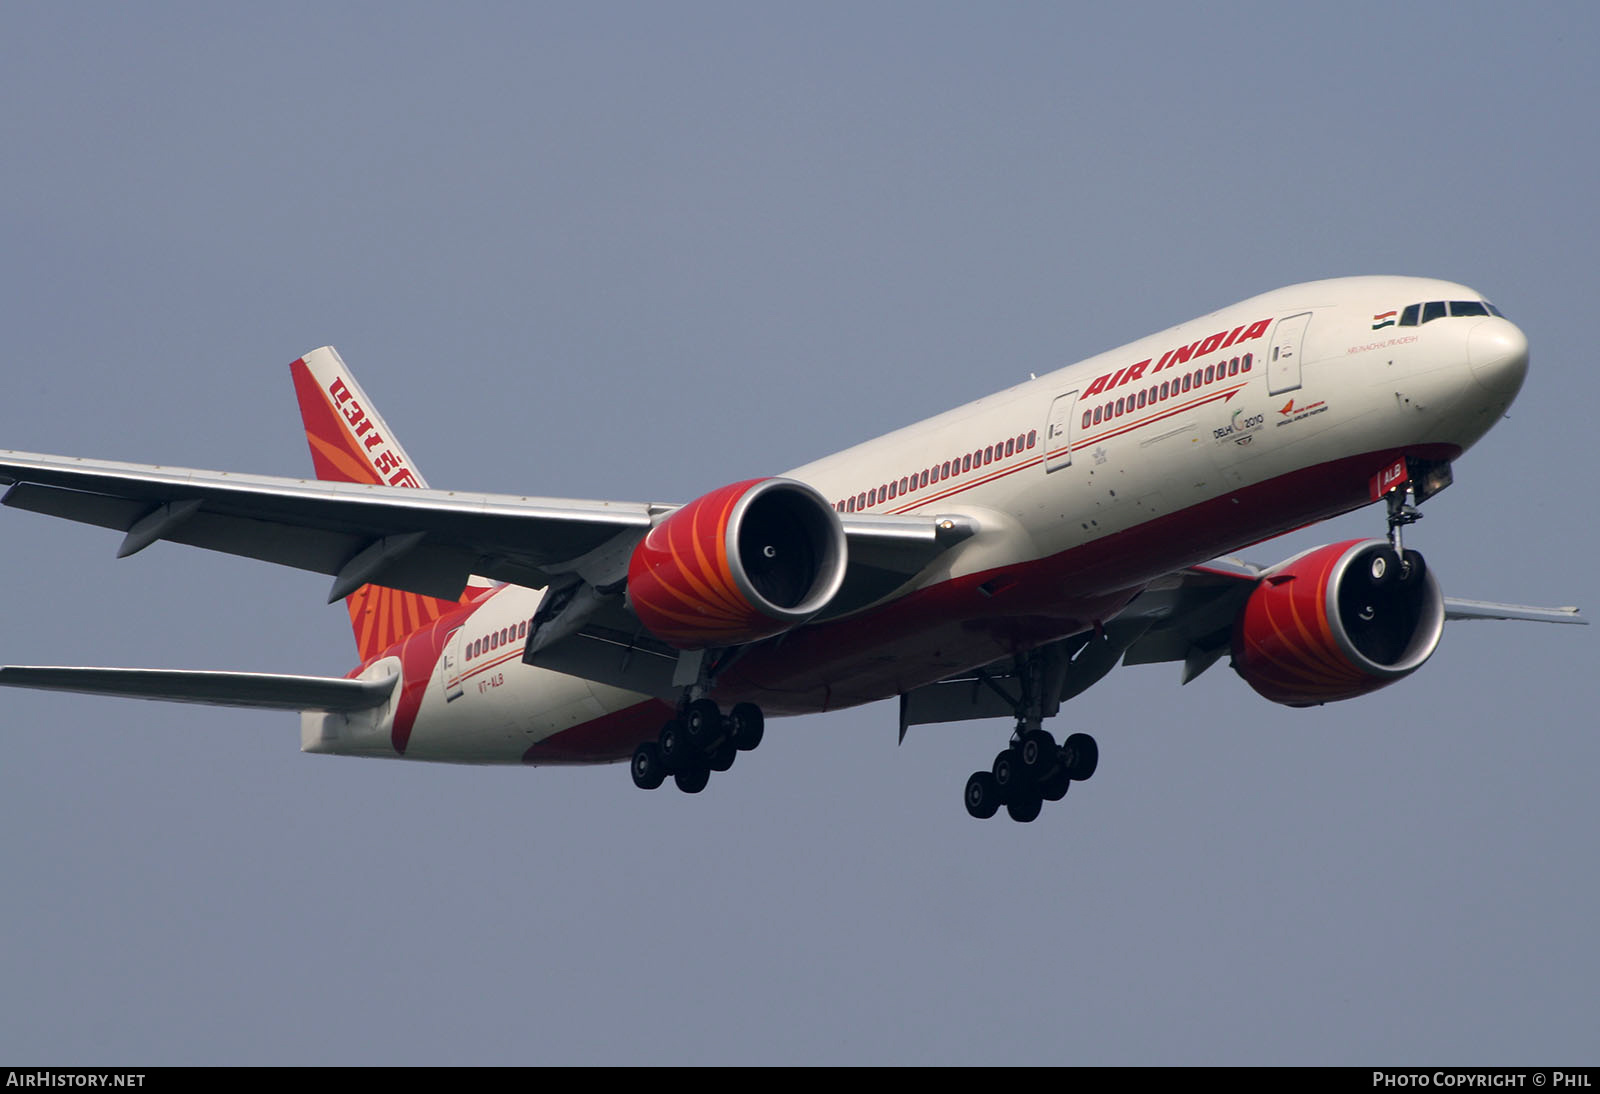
(991, 562)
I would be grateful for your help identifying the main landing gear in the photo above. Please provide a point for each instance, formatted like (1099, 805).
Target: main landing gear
(1033, 769)
(698, 741)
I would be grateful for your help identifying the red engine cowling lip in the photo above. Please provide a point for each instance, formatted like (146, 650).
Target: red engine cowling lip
(687, 582)
(1291, 643)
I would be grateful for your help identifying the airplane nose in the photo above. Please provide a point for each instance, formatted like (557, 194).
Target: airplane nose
(1498, 352)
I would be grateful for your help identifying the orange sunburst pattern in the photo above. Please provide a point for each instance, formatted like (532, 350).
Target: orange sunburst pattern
(680, 579)
(349, 443)
(381, 617)
(1283, 643)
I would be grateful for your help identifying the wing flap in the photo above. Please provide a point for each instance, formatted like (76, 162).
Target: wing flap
(260, 690)
(85, 508)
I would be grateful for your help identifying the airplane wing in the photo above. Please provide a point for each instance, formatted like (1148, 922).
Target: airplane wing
(1484, 609)
(426, 541)
(226, 689)
(423, 541)
(1186, 616)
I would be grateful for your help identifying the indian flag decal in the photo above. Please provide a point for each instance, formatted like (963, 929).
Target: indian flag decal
(1386, 319)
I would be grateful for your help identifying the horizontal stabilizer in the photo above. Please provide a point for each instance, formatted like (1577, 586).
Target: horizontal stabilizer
(262, 690)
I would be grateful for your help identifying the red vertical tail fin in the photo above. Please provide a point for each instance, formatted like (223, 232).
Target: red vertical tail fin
(350, 442)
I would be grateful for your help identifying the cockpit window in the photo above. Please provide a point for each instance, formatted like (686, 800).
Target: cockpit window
(1438, 309)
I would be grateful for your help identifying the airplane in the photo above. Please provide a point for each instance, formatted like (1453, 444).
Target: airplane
(993, 561)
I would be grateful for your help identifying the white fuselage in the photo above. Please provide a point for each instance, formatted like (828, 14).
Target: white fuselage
(1084, 483)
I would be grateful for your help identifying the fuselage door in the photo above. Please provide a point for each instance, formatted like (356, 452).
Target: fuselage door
(450, 666)
(1283, 359)
(1058, 432)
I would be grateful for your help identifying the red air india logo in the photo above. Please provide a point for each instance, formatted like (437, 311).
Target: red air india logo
(384, 460)
(1200, 347)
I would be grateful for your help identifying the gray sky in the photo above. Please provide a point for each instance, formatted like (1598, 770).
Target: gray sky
(638, 252)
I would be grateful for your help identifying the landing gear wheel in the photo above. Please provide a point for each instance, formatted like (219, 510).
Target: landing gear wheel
(983, 795)
(722, 757)
(648, 770)
(702, 723)
(1383, 566)
(693, 780)
(1036, 752)
(1054, 786)
(748, 725)
(1024, 807)
(1412, 568)
(1007, 772)
(1080, 755)
(673, 747)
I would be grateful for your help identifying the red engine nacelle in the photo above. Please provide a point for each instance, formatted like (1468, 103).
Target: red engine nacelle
(1337, 622)
(742, 563)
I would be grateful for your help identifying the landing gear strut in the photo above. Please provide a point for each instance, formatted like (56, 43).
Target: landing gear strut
(1406, 566)
(1032, 769)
